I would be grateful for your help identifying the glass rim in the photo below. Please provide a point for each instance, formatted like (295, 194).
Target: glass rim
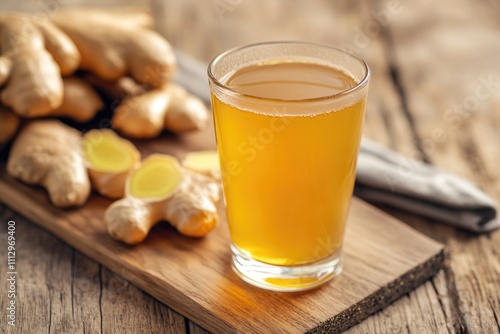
(363, 82)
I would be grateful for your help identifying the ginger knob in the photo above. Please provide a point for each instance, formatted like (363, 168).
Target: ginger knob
(160, 189)
(48, 153)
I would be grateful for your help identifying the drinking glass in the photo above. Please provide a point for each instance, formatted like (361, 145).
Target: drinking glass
(288, 164)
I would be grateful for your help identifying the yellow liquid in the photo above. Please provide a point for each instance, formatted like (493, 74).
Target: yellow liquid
(288, 179)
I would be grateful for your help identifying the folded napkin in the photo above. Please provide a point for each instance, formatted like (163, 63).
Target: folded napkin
(386, 177)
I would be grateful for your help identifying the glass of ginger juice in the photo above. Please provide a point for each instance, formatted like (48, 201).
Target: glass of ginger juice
(288, 121)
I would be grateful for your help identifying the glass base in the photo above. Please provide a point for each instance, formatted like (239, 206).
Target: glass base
(285, 278)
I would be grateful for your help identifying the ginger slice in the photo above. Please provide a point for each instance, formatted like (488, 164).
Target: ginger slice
(48, 153)
(109, 160)
(160, 189)
(204, 162)
(156, 179)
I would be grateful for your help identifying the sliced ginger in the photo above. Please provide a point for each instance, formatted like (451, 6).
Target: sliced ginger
(48, 153)
(160, 189)
(204, 162)
(156, 179)
(109, 160)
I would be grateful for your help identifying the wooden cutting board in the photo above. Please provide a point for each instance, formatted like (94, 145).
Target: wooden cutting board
(384, 259)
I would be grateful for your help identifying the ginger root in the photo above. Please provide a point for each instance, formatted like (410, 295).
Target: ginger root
(160, 189)
(203, 162)
(170, 107)
(33, 55)
(60, 46)
(48, 153)
(9, 124)
(80, 103)
(146, 113)
(112, 45)
(109, 160)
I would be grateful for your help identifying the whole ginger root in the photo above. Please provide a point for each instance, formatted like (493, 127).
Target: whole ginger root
(48, 153)
(170, 107)
(37, 59)
(160, 189)
(145, 113)
(80, 101)
(113, 44)
(32, 57)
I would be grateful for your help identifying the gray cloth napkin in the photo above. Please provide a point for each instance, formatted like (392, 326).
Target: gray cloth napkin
(386, 177)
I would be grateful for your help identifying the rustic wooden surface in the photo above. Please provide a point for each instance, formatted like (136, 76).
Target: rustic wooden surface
(384, 259)
(427, 59)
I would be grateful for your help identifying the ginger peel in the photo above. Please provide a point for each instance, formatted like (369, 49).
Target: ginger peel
(48, 153)
(160, 189)
(109, 160)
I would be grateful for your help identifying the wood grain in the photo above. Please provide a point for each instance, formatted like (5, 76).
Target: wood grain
(62, 291)
(384, 259)
(463, 297)
(461, 124)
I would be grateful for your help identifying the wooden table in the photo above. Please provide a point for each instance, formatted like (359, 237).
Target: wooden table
(435, 96)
